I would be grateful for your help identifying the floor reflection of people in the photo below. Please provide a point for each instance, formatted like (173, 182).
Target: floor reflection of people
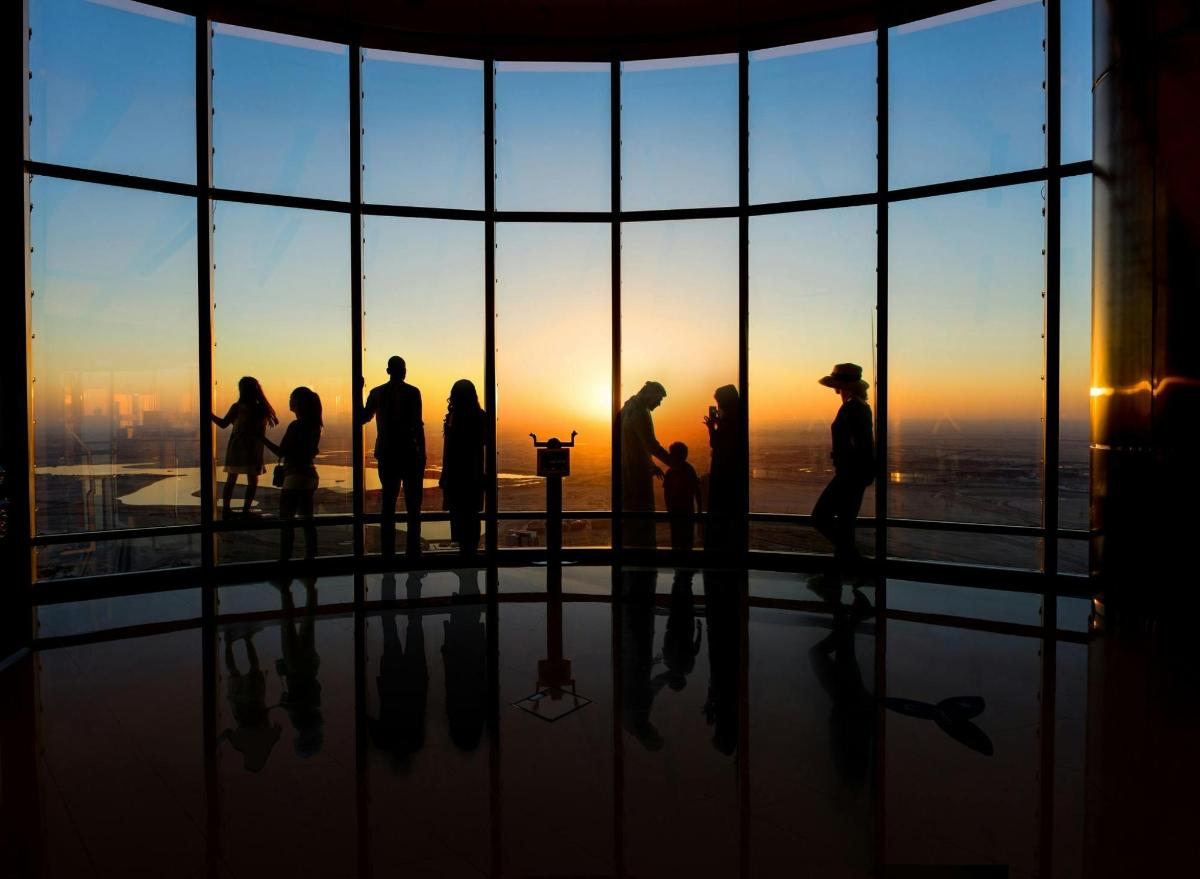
(852, 718)
(255, 734)
(464, 653)
(403, 680)
(298, 668)
(722, 597)
(637, 658)
(681, 644)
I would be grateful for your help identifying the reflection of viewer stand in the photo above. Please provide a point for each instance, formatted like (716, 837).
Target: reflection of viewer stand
(554, 672)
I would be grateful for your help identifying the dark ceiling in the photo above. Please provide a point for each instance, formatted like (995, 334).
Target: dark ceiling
(567, 29)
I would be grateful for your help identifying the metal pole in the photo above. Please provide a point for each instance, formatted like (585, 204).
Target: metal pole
(356, 300)
(615, 244)
(489, 294)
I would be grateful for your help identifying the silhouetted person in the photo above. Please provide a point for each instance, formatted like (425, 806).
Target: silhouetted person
(255, 735)
(464, 653)
(638, 449)
(728, 481)
(852, 718)
(464, 433)
(681, 644)
(298, 669)
(250, 417)
(681, 489)
(721, 611)
(637, 658)
(400, 452)
(853, 457)
(297, 452)
(403, 680)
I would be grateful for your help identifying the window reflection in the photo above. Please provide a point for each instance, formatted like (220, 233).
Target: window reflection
(552, 136)
(679, 132)
(116, 439)
(1075, 320)
(812, 119)
(1076, 80)
(281, 113)
(965, 357)
(113, 88)
(965, 94)
(422, 139)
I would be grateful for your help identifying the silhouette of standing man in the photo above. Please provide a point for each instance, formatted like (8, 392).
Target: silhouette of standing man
(639, 447)
(400, 451)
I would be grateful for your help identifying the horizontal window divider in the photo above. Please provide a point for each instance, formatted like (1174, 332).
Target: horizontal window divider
(101, 636)
(968, 527)
(110, 178)
(1072, 534)
(713, 213)
(970, 184)
(97, 586)
(1075, 169)
(999, 627)
(115, 534)
(813, 204)
(986, 577)
(280, 201)
(384, 210)
(274, 523)
(554, 216)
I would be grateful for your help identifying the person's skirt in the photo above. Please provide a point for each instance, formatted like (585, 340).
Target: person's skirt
(244, 454)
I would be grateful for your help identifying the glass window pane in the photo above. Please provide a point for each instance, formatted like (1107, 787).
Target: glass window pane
(422, 140)
(281, 114)
(282, 316)
(116, 436)
(1075, 321)
(113, 87)
(423, 301)
(1076, 80)
(966, 357)
(554, 360)
(679, 133)
(966, 94)
(125, 555)
(553, 142)
(812, 119)
(679, 324)
(812, 304)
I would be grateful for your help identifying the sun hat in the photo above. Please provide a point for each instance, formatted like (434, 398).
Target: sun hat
(844, 375)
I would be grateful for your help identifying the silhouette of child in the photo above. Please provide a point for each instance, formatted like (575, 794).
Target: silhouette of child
(681, 644)
(681, 487)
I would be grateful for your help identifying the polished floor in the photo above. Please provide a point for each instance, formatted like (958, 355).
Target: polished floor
(710, 723)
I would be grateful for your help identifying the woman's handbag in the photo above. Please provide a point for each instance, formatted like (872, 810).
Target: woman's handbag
(279, 475)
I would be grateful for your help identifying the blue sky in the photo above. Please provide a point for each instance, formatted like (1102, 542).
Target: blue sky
(112, 89)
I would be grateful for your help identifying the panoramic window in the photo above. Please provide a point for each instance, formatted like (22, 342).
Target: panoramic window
(281, 316)
(965, 92)
(113, 87)
(1075, 319)
(812, 119)
(965, 407)
(812, 305)
(552, 137)
(1076, 79)
(423, 301)
(281, 114)
(115, 371)
(422, 141)
(554, 361)
(679, 133)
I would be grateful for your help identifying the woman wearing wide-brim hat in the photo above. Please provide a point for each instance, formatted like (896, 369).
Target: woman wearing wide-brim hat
(853, 457)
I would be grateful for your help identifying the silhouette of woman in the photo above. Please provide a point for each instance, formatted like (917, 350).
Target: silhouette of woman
(298, 669)
(464, 651)
(250, 416)
(853, 457)
(255, 735)
(297, 450)
(727, 482)
(464, 432)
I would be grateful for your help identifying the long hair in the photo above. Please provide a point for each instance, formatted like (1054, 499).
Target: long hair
(251, 393)
(464, 400)
(727, 398)
(307, 406)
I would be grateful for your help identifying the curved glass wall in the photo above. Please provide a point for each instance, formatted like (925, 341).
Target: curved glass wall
(736, 219)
